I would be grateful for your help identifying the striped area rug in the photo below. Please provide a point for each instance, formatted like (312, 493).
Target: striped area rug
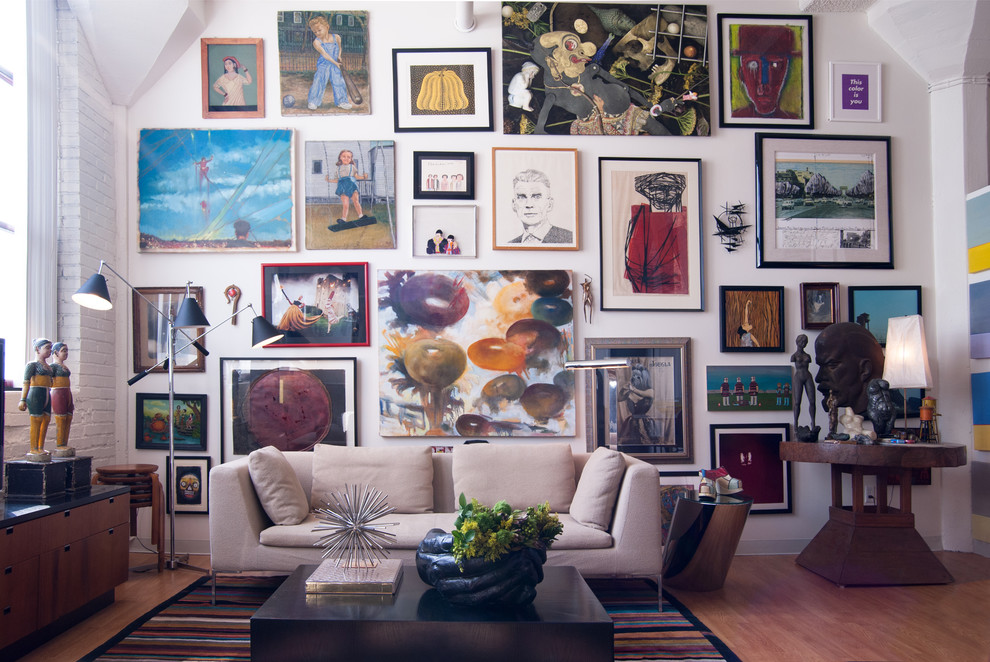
(188, 627)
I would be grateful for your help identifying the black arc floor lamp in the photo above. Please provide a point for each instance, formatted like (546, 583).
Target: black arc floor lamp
(95, 294)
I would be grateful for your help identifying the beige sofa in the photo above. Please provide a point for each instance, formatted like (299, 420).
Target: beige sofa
(608, 502)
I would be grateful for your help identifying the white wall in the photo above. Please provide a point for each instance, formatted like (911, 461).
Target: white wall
(727, 175)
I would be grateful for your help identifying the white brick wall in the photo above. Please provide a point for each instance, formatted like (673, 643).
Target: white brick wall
(86, 234)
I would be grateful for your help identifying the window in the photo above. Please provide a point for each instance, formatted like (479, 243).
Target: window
(317, 167)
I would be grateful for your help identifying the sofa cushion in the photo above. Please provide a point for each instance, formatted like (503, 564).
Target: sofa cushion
(522, 475)
(403, 473)
(277, 486)
(597, 488)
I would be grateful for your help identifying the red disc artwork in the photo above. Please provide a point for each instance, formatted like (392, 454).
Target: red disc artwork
(289, 409)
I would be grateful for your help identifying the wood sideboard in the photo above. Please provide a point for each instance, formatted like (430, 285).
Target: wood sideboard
(60, 560)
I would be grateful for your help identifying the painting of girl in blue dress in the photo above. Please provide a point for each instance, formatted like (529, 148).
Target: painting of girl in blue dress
(323, 62)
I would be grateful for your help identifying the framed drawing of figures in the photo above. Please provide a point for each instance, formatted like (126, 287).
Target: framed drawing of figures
(651, 248)
(605, 69)
(149, 336)
(290, 403)
(644, 409)
(350, 194)
(752, 319)
(823, 201)
(765, 71)
(445, 231)
(443, 175)
(442, 89)
(215, 190)
(317, 305)
(475, 353)
(323, 62)
(233, 78)
(535, 199)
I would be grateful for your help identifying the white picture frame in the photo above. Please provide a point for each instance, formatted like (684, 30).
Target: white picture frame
(461, 221)
(854, 92)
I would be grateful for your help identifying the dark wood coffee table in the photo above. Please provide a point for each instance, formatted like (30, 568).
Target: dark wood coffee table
(565, 623)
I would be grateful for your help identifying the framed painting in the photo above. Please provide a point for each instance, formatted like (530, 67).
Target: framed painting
(605, 68)
(317, 305)
(151, 412)
(215, 190)
(872, 306)
(475, 353)
(651, 247)
(149, 331)
(290, 403)
(751, 319)
(854, 92)
(443, 175)
(819, 305)
(751, 453)
(445, 230)
(323, 63)
(188, 485)
(823, 202)
(766, 71)
(644, 409)
(350, 194)
(442, 89)
(233, 78)
(734, 388)
(534, 198)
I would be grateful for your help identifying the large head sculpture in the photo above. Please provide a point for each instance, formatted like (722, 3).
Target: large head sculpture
(848, 357)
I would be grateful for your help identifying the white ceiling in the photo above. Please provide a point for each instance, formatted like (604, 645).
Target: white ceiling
(940, 40)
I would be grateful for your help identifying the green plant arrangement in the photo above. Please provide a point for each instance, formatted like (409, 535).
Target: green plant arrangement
(491, 533)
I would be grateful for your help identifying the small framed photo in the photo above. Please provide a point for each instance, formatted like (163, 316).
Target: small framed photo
(651, 241)
(233, 78)
(445, 230)
(443, 175)
(734, 388)
(152, 416)
(317, 305)
(823, 202)
(818, 305)
(535, 198)
(873, 305)
(150, 330)
(751, 453)
(752, 319)
(290, 403)
(765, 71)
(645, 409)
(188, 485)
(442, 89)
(854, 92)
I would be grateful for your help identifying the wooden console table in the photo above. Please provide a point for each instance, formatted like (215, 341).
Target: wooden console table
(873, 545)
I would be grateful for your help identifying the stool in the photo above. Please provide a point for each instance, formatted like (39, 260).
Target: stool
(146, 491)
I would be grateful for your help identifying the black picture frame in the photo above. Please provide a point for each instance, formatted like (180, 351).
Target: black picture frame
(416, 68)
(795, 212)
(751, 453)
(188, 487)
(873, 305)
(751, 319)
(151, 421)
(442, 164)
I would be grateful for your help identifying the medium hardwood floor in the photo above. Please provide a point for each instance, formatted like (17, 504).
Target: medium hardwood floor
(769, 610)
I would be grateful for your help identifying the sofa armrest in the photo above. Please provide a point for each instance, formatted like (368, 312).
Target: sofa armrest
(236, 517)
(636, 521)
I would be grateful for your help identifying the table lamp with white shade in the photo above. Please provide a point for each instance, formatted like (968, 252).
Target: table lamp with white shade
(906, 356)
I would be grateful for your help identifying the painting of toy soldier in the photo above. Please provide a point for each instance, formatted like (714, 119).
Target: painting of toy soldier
(605, 69)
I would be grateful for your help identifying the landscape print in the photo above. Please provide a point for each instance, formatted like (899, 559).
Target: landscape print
(475, 353)
(825, 201)
(215, 190)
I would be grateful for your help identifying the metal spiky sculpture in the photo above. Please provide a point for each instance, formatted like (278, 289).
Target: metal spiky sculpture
(355, 538)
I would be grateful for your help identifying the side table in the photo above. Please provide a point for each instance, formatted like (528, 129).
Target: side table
(873, 546)
(704, 534)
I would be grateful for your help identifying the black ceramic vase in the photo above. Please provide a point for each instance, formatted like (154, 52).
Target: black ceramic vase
(511, 580)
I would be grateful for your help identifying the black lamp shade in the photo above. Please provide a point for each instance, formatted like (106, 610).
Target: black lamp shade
(263, 332)
(190, 315)
(94, 294)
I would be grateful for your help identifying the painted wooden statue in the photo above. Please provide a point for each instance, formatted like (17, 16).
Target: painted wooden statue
(62, 405)
(36, 399)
